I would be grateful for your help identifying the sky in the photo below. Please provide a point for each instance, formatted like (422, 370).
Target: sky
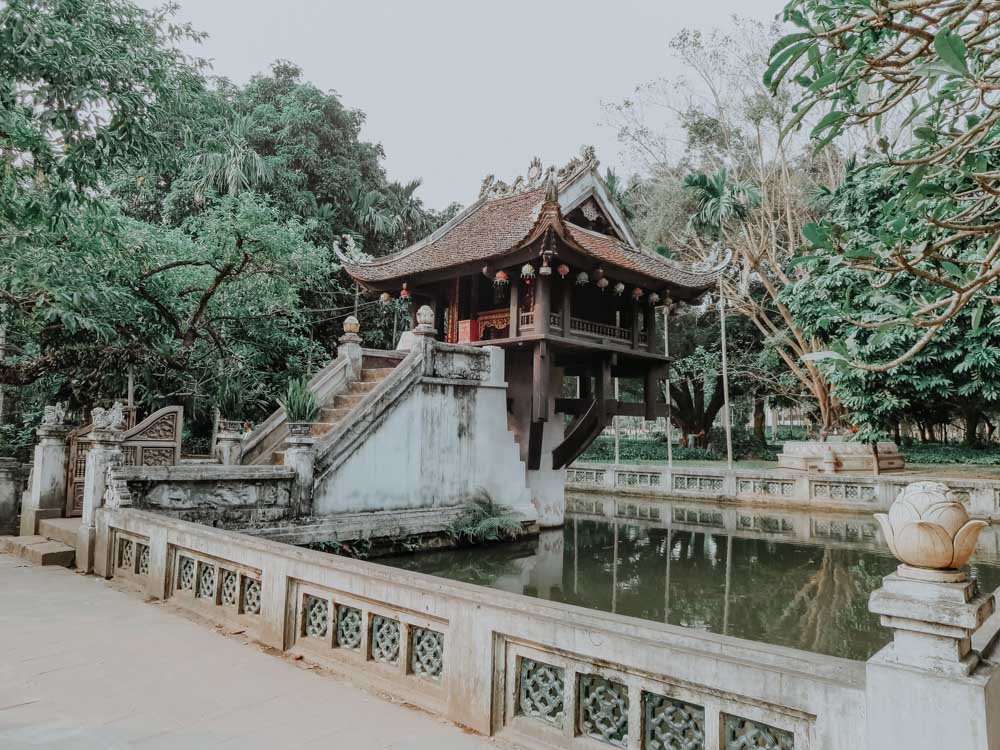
(457, 90)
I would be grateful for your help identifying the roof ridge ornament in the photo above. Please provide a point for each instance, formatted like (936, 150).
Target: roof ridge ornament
(551, 188)
(537, 176)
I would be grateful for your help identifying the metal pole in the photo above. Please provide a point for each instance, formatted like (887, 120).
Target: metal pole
(670, 426)
(615, 420)
(729, 574)
(725, 379)
(614, 573)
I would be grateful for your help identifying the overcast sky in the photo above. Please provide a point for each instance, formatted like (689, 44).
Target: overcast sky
(456, 90)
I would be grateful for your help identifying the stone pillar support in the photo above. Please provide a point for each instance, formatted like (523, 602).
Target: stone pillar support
(47, 496)
(300, 454)
(105, 451)
(229, 443)
(350, 347)
(931, 687)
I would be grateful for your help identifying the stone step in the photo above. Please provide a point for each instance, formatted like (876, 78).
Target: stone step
(361, 387)
(347, 401)
(38, 550)
(375, 374)
(319, 429)
(60, 529)
(333, 415)
(382, 361)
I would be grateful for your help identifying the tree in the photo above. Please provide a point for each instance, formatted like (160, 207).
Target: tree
(923, 78)
(954, 374)
(737, 183)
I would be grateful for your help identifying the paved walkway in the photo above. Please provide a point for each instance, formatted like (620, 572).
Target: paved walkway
(84, 666)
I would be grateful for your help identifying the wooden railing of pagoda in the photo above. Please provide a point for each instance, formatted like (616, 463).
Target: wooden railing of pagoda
(578, 325)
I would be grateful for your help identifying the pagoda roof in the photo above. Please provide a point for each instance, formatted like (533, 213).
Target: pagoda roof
(506, 219)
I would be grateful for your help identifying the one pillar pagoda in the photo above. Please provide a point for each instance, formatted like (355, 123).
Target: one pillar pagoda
(549, 269)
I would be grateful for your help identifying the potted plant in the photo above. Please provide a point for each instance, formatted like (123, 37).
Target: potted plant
(300, 405)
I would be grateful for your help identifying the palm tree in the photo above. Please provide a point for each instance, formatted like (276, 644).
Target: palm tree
(619, 193)
(719, 200)
(234, 166)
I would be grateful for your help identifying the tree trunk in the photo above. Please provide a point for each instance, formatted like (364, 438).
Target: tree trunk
(971, 418)
(758, 419)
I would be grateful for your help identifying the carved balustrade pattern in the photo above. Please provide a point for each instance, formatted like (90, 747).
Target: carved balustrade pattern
(637, 478)
(585, 476)
(700, 484)
(846, 491)
(671, 716)
(545, 694)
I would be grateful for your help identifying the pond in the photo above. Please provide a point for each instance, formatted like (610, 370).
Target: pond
(785, 578)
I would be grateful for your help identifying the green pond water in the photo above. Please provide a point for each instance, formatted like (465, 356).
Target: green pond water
(791, 579)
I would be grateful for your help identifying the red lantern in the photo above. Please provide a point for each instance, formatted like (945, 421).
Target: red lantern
(563, 270)
(404, 293)
(500, 278)
(637, 293)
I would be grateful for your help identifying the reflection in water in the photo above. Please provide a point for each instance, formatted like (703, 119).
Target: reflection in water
(750, 584)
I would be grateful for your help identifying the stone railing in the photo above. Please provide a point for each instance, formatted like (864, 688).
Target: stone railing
(802, 490)
(531, 672)
(233, 496)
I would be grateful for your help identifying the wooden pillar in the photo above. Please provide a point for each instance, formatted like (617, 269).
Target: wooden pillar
(603, 388)
(439, 308)
(543, 304)
(515, 307)
(635, 325)
(567, 313)
(649, 389)
(540, 373)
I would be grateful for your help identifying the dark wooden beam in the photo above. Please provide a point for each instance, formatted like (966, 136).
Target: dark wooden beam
(575, 406)
(567, 312)
(650, 387)
(540, 373)
(543, 304)
(515, 307)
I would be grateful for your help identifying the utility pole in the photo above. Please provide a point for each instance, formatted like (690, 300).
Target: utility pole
(666, 352)
(727, 417)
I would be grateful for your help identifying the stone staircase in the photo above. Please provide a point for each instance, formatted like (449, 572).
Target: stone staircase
(374, 369)
(54, 544)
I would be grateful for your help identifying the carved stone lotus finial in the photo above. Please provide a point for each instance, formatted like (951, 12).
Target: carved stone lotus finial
(928, 527)
(351, 325)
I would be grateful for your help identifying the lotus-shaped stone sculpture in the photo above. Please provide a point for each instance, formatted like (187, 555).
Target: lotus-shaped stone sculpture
(927, 527)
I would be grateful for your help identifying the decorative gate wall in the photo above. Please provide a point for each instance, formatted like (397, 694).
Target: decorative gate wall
(155, 441)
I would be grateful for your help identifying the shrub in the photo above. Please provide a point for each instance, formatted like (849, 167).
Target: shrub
(485, 520)
(632, 450)
(937, 453)
(299, 402)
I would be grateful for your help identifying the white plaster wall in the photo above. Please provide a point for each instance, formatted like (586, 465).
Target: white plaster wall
(438, 444)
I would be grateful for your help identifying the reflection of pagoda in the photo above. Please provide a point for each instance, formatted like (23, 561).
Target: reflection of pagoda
(549, 269)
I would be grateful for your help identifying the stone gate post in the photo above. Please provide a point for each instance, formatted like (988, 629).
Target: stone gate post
(300, 454)
(105, 451)
(350, 347)
(933, 686)
(47, 497)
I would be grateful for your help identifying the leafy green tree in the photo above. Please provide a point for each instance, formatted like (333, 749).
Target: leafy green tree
(736, 183)
(922, 78)
(955, 373)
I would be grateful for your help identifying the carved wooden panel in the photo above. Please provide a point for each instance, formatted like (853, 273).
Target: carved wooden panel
(156, 441)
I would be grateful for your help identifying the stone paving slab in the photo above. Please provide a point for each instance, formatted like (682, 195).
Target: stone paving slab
(89, 667)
